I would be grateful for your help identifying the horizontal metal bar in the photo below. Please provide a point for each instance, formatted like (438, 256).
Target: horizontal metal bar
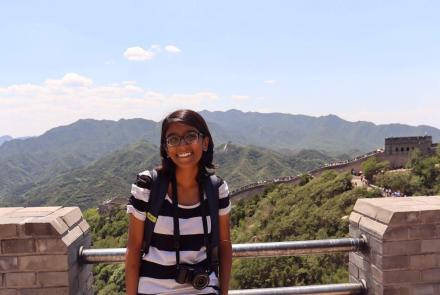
(332, 289)
(293, 248)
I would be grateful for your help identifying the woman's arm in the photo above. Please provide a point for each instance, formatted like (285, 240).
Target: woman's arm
(133, 255)
(225, 253)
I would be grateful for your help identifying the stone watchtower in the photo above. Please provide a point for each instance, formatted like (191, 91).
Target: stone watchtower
(404, 145)
(398, 149)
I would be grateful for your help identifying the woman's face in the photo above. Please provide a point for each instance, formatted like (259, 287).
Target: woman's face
(184, 154)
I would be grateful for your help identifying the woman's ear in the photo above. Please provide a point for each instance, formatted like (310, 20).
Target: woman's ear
(205, 143)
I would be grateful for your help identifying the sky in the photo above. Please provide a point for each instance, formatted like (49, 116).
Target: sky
(61, 61)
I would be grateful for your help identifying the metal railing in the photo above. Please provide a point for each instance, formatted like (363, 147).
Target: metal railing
(293, 248)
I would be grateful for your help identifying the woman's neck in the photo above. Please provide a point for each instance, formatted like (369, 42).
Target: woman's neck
(186, 177)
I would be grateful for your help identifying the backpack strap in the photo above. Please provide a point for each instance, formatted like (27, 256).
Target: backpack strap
(211, 188)
(155, 201)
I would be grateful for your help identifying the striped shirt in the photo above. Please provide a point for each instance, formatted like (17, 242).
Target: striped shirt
(157, 271)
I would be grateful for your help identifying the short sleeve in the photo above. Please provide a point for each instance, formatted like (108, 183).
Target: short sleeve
(140, 194)
(224, 199)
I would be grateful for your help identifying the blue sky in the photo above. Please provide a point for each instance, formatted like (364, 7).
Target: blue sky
(361, 60)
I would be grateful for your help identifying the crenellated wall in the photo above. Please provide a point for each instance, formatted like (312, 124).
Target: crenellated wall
(403, 253)
(39, 251)
(40, 245)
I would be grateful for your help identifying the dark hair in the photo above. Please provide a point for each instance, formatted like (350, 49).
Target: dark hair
(193, 119)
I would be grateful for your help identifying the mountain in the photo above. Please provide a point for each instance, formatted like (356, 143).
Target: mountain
(295, 132)
(26, 161)
(5, 138)
(112, 175)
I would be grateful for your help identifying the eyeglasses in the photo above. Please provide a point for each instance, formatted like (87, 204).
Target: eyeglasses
(190, 137)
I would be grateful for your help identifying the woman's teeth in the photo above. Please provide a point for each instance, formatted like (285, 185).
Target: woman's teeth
(184, 155)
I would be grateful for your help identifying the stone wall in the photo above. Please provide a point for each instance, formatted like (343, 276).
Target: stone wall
(405, 145)
(39, 251)
(403, 253)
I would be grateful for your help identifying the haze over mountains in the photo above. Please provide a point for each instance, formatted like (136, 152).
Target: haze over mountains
(36, 168)
(5, 138)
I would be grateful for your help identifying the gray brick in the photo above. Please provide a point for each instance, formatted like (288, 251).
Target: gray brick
(46, 226)
(373, 227)
(20, 280)
(18, 246)
(8, 230)
(423, 261)
(53, 279)
(396, 290)
(396, 233)
(70, 215)
(355, 218)
(430, 246)
(431, 275)
(426, 289)
(359, 261)
(394, 262)
(85, 227)
(8, 263)
(50, 246)
(353, 270)
(401, 248)
(402, 276)
(430, 216)
(72, 236)
(43, 262)
(423, 231)
(46, 291)
(405, 218)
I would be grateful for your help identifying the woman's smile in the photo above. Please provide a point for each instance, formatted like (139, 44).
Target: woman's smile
(184, 155)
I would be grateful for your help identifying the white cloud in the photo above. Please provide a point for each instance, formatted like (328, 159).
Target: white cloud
(240, 97)
(70, 80)
(138, 53)
(29, 109)
(172, 49)
(270, 81)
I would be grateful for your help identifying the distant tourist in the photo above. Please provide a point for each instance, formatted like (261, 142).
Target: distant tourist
(184, 256)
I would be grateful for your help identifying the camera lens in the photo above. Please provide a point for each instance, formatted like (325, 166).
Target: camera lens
(200, 281)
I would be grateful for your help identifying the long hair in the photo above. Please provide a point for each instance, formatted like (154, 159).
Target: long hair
(193, 119)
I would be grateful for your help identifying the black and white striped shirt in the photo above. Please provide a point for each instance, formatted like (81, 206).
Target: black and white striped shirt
(158, 267)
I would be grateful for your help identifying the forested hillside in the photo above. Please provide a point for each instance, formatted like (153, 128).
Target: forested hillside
(29, 162)
(111, 175)
(315, 210)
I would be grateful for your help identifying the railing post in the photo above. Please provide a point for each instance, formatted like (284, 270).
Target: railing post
(403, 254)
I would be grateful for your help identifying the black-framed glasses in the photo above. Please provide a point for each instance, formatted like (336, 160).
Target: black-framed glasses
(189, 138)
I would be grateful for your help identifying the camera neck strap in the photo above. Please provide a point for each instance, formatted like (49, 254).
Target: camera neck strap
(176, 228)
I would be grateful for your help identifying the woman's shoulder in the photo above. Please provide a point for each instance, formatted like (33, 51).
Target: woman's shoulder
(144, 179)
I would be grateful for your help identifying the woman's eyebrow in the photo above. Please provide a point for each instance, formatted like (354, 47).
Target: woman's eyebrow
(174, 133)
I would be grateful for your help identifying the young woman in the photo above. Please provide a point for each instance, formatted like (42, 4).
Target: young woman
(186, 149)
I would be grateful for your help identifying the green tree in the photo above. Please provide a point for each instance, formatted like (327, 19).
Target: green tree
(371, 167)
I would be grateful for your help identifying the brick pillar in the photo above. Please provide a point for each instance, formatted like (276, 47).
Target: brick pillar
(39, 251)
(403, 253)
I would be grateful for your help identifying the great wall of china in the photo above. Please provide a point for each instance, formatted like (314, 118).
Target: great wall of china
(397, 151)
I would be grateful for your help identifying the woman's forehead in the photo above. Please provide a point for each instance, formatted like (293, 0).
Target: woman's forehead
(179, 128)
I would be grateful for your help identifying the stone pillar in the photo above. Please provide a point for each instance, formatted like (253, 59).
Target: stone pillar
(403, 253)
(39, 251)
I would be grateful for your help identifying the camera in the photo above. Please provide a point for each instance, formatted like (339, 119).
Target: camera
(197, 277)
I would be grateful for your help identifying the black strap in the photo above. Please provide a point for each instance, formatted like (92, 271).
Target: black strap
(211, 186)
(176, 230)
(157, 196)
